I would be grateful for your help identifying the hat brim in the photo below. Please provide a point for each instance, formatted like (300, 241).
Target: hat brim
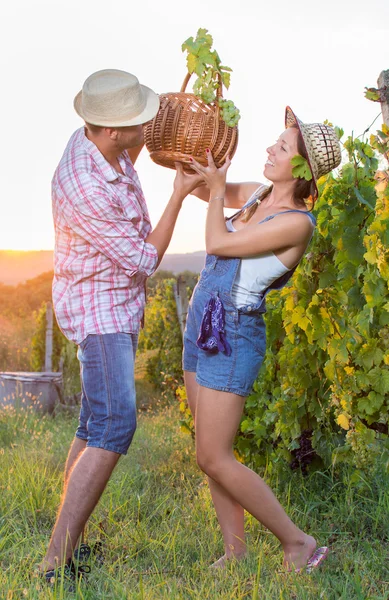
(147, 114)
(290, 120)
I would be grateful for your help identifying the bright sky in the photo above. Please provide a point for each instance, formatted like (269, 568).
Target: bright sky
(315, 56)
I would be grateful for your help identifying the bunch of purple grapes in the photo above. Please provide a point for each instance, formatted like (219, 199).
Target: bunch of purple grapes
(305, 454)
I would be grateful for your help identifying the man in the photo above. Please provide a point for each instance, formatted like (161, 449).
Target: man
(104, 251)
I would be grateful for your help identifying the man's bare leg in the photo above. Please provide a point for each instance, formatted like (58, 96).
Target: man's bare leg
(85, 486)
(76, 449)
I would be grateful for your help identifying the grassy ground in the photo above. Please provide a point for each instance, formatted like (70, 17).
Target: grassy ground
(159, 529)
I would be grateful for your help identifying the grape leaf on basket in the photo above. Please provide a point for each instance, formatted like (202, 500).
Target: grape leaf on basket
(301, 168)
(211, 74)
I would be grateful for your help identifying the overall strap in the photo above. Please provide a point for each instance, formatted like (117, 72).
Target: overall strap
(292, 210)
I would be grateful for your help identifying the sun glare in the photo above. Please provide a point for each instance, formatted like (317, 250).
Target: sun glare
(21, 248)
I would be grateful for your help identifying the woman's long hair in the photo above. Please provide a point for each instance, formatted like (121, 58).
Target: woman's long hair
(304, 192)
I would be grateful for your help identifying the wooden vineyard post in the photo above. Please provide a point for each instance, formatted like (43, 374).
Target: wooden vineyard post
(382, 177)
(49, 338)
(181, 298)
(383, 85)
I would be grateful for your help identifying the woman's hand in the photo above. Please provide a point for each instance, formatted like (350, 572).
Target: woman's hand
(213, 177)
(185, 183)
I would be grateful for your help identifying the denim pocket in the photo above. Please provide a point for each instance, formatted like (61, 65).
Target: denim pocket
(253, 328)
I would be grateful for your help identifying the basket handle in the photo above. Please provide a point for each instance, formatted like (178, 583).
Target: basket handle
(219, 91)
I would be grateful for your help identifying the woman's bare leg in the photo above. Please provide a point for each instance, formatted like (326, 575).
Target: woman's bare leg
(230, 513)
(218, 416)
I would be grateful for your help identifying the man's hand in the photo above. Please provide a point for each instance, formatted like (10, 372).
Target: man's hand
(185, 183)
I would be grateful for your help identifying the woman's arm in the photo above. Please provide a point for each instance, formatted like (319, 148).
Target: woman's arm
(236, 194)
(293, 231)
(289, 231)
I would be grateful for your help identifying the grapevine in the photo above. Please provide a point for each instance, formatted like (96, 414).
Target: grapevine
(326, 368)
(206, 64)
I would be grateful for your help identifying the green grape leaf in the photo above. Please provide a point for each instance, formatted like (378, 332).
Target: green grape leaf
(200, 67)
(362, 199)
(369, 355)
(371, 404)
(208, 77)
(226, 77)
(363, 380)
(301, 169)
(188, 45)
(207, 57)
(379, 380)
(372, 94)
(191, 63)
(206, 63)
(204, 37)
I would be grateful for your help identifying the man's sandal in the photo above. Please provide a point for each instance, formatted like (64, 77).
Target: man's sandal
(83, 553)
(64, 573)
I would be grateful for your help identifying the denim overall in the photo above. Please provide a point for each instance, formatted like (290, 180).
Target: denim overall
(223, 344)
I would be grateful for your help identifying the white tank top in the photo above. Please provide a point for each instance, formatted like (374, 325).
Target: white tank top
(255, 273)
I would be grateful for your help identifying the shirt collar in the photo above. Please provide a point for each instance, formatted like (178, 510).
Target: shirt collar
(108, 172)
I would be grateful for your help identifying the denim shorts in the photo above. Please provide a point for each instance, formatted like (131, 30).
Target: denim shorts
(108, 404)
(246, 334)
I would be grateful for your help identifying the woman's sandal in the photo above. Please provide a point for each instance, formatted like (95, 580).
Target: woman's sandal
(315, 561)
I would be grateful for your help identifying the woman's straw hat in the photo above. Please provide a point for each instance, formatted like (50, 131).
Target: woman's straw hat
(321, 143)
(112, 98)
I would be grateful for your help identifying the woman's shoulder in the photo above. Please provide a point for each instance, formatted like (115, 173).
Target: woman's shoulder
(239, 194)
(254, 191)
(251, 191)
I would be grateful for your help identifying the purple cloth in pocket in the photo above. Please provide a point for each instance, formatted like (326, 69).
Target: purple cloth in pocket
(212, 337)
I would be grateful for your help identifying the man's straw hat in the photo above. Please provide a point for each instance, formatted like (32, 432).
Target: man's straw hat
(112, 98)
(321, 143)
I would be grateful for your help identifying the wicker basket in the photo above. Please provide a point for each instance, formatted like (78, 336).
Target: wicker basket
(185, 126)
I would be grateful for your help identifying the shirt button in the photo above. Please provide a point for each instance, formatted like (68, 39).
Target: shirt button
(249, 309)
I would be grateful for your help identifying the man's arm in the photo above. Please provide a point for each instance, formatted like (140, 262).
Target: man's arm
(183, 185)
(111, 232)
(162, 234)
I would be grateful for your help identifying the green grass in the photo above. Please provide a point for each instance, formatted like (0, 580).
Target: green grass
(159, 528)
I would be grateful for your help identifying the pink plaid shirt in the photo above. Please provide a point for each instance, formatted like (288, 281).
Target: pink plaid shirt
(101, 260)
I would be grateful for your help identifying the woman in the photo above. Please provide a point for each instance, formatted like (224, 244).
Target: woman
(224, 344)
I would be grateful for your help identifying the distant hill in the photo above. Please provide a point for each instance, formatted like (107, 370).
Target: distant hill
(17, 266)
(193, 261)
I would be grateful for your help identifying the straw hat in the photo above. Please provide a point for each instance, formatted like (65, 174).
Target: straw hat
(112, 98)
(321, 143)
